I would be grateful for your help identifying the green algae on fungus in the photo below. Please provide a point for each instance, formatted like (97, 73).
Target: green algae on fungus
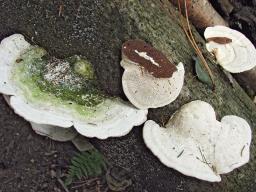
(83, 68)
(57, 77)
(50, 92)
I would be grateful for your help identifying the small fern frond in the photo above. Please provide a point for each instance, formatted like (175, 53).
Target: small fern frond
(87, 164)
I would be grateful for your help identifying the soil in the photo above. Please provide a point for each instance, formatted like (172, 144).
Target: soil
(29, 162)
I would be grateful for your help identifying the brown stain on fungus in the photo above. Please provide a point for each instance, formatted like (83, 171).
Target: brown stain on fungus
(18, 60)
(151, 59)
(220, 40)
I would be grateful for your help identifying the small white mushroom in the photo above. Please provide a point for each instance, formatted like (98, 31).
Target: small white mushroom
(49, 113)
(150, 80)
(54, 132)
(196, 144)
(233, 51)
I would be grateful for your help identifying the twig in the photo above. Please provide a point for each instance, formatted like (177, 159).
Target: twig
(191, 39)
(180, 153)
(106, 189)
(242, 151)
(78, 186)
(203, 157)
(97, 186)
(9, 180)
(198, 50)
(86, 181)
(61, 8)
(162, 120)
(205, 161)
(62, 184)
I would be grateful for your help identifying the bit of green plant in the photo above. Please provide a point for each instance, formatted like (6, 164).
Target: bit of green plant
(201, 73)
(84, 68)
(87, 164)
(188, 31)
(70, 79)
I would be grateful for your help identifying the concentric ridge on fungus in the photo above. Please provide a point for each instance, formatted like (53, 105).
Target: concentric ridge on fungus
(149, 80)
(232, 49)
(196, 144)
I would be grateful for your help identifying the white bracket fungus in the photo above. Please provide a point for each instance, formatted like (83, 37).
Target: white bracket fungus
(59, 133)
(233, 51)
(54, 132)
(196, 144)
(150, 80)
(49, 113)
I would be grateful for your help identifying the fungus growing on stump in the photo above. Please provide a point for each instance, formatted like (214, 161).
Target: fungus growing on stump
(53, 94)
(54, 132)
(150, 80)
(194, 143)
(233, 51)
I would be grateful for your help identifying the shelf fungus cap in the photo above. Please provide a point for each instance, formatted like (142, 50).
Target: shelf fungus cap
(194, 143)
(150, 80)
(233, 51)
(52, 115)
(10, 49)
(53, 132)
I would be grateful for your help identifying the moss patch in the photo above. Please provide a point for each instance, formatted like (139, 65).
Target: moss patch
(43, 78)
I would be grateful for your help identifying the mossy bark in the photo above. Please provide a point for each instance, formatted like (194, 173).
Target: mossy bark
(96, 29)
(158, 23)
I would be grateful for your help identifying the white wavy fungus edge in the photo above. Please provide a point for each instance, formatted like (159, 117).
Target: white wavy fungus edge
(194, 143)
(118, 120)
(145, 91)
(235, 57)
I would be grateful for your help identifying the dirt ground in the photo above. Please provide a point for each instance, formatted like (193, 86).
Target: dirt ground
(29, 162)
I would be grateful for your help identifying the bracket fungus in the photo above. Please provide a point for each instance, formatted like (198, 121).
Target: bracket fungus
(54, 132)
(196, 144)
(233, 51)
(150, 80)
(53, 94)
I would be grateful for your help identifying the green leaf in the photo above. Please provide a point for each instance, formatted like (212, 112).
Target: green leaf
(201, 72)
(87, 164)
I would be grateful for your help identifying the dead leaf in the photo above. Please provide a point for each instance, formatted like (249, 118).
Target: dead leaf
(118, 178)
